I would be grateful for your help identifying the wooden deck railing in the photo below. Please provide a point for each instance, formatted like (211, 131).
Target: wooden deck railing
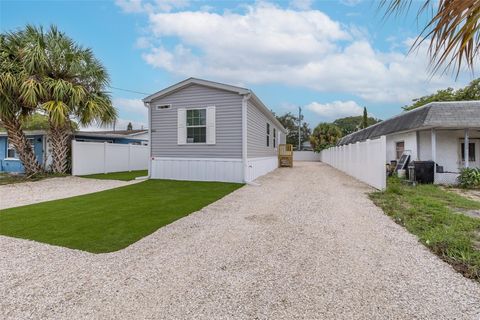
(285, 155)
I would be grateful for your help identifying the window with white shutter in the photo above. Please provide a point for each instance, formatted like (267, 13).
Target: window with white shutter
(196, 125)
(181, 126)
(211, 130)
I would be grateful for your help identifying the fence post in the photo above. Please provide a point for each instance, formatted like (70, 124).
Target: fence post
(105, 157)
(129, 155)
(73, 157)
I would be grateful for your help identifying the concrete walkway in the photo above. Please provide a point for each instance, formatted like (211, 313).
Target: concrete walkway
(306, 244)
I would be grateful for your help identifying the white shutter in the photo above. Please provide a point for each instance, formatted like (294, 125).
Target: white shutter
(211, 125)
(181, 126)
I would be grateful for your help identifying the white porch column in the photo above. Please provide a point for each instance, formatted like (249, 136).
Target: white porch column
(466, 148)
(417, 142)
(434, 145)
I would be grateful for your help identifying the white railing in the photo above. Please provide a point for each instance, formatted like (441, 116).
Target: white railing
(362, 160)
(98, 157)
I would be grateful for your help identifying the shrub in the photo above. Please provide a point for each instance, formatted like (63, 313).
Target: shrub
(469, 178)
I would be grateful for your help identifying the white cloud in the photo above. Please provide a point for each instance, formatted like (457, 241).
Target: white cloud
(270, 44)
(301, 4)
(132, 106)
(150, 6)
(336, 109)
(143, 43)
(350, 3)
(130, 6)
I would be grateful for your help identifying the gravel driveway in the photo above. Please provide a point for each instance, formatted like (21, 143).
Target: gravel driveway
(306, 244)
(20, 194)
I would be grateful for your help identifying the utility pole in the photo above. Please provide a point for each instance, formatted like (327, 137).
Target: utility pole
(299, 128)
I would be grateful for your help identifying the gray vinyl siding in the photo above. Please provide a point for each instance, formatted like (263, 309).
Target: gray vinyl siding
(228, 122)
(257, 134)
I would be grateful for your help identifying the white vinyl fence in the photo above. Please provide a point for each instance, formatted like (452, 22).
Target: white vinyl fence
(362, 160)
(98, 157)
(306, 156)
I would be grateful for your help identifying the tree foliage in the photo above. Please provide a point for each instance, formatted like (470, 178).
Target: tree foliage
(16, 100)
(63, 80)
(324, 136)
(351, 124)
(290, 122)
(364, 118)
(469, 92)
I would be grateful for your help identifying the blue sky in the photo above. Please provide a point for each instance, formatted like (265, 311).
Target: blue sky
(330, 57)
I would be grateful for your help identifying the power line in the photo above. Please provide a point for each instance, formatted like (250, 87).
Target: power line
(128, 90)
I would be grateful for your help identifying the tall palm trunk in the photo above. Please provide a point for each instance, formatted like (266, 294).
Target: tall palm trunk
(22, 146)
(60, 139)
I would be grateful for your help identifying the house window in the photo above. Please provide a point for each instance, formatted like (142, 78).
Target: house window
(197, 126)
(12, 152)
(274, 138)
(471, 151)
(399, 148)
(268, 134)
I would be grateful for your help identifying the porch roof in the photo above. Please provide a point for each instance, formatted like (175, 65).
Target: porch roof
(452, 114)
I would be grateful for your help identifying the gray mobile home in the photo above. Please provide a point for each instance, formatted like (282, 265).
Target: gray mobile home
(208, 131)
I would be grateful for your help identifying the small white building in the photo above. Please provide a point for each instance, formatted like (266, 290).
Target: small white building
(209, 131)
(447, 133)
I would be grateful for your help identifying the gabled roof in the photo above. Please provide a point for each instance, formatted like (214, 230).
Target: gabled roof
(216, 85)
(98, 134)
(201, 82)
(451, 114)
(130, 134)
(27, 133)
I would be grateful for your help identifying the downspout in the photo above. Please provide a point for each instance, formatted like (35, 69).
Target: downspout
(149, 174)
(244, 136)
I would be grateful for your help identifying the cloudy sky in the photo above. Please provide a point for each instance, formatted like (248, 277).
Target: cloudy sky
(330, 57)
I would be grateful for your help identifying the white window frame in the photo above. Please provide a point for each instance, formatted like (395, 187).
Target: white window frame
(10, 146)
(470, 154)
(195, 126)
(268, 135)
(274, 138)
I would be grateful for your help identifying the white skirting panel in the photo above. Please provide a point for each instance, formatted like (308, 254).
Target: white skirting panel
(257, 167)
(197, 169)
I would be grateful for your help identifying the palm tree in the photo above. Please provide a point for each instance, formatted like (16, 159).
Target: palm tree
(325, 135)
(74, 82)
(19, 93)
(452, 30)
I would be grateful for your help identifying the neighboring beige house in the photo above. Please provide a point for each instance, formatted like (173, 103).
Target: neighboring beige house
(447, 133)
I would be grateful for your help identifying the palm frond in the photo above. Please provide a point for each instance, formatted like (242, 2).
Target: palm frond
(452, 32)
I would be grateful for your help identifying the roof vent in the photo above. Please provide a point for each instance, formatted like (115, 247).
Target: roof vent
(164, 106)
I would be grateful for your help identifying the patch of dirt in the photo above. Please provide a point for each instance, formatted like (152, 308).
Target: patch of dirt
(472, 194)
(470, 213)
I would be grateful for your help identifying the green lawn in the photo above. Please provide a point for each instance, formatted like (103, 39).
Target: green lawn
(433, 214)
(111, 220)
(124, 176)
